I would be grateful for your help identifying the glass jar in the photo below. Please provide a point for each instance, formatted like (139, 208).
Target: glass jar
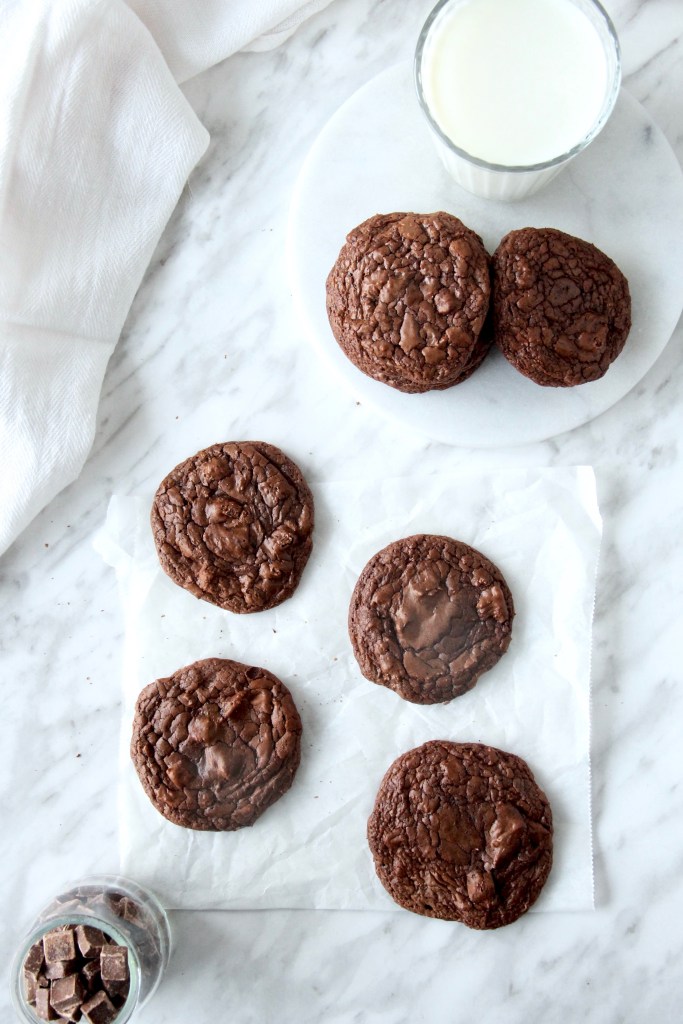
(126, 912)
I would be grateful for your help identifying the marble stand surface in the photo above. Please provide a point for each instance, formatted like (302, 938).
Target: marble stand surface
(212, 350)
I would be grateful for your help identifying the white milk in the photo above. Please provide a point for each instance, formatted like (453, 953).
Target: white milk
(514, 82)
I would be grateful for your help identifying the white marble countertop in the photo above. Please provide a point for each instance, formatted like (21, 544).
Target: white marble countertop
(212, 351)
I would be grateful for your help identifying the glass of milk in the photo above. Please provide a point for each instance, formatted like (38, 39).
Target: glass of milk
(515, 89)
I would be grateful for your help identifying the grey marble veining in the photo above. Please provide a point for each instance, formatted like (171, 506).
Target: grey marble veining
(211, 350)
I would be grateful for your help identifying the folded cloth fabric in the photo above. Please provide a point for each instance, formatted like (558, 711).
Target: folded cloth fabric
(195, 34)
(96, 144)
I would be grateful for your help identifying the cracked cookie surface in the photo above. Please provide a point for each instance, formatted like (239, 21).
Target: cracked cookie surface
(462, 832)
(233, 525)
(407, 298)
(428, 616)
(561, 307)
(215, 744)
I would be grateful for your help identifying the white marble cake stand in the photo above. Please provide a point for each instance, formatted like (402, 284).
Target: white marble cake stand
(624, 194)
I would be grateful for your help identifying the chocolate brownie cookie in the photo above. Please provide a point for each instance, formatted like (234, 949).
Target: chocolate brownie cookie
(216, 744)
(428, 616)
(562, 308)
(462, 832)
(407, 298)
(233, 525)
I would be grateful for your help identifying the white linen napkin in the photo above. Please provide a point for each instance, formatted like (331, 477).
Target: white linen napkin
(195, 34)
(96, 143)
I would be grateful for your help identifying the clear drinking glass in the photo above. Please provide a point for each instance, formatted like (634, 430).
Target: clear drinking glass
(126, 912)
(499, 181)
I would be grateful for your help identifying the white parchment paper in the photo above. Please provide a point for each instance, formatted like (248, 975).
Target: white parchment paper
(541, 527)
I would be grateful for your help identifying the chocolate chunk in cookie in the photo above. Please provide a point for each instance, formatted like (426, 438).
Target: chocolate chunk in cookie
(233, 525)
(428, 615)
(216, 744)
(407, 298)
(562, 308)
(462, 832)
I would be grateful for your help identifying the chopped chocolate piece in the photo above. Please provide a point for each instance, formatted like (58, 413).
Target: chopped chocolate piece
(116, 990)
(90, 940)
(59, 945)
(68, 905)
(90, 973)
(93, 896)
(30, 986)
(114, 963)
(73, 1016)
(99, 1009)
(66, 995)
(131, 911)
(34, 959)
(44, 1009)
(61, 969)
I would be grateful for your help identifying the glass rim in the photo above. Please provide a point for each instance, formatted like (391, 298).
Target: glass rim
(601, 120)
(22, 1007)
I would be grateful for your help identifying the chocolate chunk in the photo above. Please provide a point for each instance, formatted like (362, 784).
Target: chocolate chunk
(60, 969)
(562, 308)
(59, 944)
(116, 990)
(233, 525)
(99, 1009)
(44, 1008)
(215, 744)
(428, 616)
(462, 832)
(90, 940)
(114, 963)
(33, 972)
(131, 911)
(34, 959)
(407, 299)
(30, 987)
(66, 995)
(90, 973)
